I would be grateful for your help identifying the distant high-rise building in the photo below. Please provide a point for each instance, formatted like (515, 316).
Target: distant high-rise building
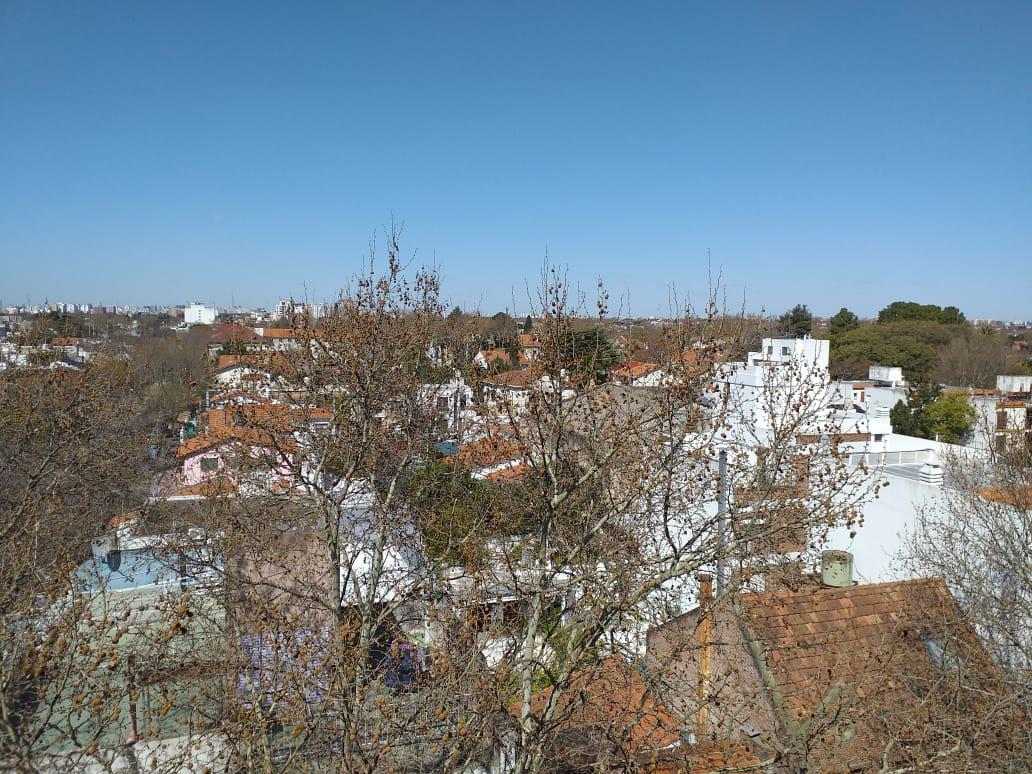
(199, 314)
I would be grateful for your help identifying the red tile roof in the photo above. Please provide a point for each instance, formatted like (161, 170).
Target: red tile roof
(818, 635)
(494, 355)
(858, 650)
(518, 379)
(613, 696)
(485, 452)
(510, 473)
(275, 363)
(266, 415)
(1020, 497)
(240, 436)
(223, 334)
(632, 369)
(280, 333)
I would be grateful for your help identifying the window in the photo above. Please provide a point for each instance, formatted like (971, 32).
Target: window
(942, 655)
(209, 464)
(442, 403)
(784, 350)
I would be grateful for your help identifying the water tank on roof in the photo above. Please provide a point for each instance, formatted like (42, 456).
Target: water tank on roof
(836, 569)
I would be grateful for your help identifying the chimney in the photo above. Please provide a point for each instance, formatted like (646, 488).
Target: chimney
(836, 569)
(705, 589)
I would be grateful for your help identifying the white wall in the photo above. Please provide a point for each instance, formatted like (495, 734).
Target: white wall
(199, 314)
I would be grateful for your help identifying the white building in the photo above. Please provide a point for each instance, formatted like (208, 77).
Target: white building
(199, 314)
(910, 471)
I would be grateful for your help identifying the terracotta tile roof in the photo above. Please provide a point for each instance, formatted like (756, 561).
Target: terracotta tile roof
(275, 363)
(864, 652)
(530, 340)
(488, 451)
(279, 333)
(492, 355)
(246, 436)
(815, 637)
(698, 361)
(518, 379)
(123, 518)
(861, 659)
(1021, 497)
(65, 341)
(223, 334)
(615, 699)
(266, 415)
(510, 473)
(632, 369)
(706, 757)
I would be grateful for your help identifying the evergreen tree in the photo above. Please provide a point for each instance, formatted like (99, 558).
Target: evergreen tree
(797, 322)
(589, 354)
(843, 320)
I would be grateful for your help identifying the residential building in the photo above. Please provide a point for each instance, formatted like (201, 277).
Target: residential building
(633, 373)
(828, 676)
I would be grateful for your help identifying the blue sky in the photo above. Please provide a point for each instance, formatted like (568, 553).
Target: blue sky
(824, 153)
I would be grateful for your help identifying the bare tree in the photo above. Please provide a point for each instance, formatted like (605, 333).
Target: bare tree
(71, 455)
(977, 540)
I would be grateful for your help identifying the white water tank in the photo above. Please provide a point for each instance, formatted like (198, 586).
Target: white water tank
(836, 569)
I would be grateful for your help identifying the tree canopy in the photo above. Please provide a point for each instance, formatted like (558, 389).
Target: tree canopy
(842, 321)
(798, 321)
(588, 353)
(910, 344)
(911, 310)
(930, 414)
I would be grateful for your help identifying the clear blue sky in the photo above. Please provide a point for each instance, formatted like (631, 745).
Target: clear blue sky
(826, 153)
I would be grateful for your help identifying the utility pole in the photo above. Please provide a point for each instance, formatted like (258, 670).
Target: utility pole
(721, 520)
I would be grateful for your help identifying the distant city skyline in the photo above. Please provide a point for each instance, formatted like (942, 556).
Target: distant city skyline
(272, 308)
(827, 154)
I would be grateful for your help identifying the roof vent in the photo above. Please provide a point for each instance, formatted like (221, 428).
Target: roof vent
(931, 474)
(836, 569)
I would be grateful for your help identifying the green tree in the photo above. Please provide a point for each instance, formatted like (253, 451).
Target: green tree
(588, 354)
(514, 354)
(902, 418)
(909, 418)
(451, 506)
(949, 418)
(528, 325)
(842, 321)
(911, 344)
(798, 321)
(911, 310)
